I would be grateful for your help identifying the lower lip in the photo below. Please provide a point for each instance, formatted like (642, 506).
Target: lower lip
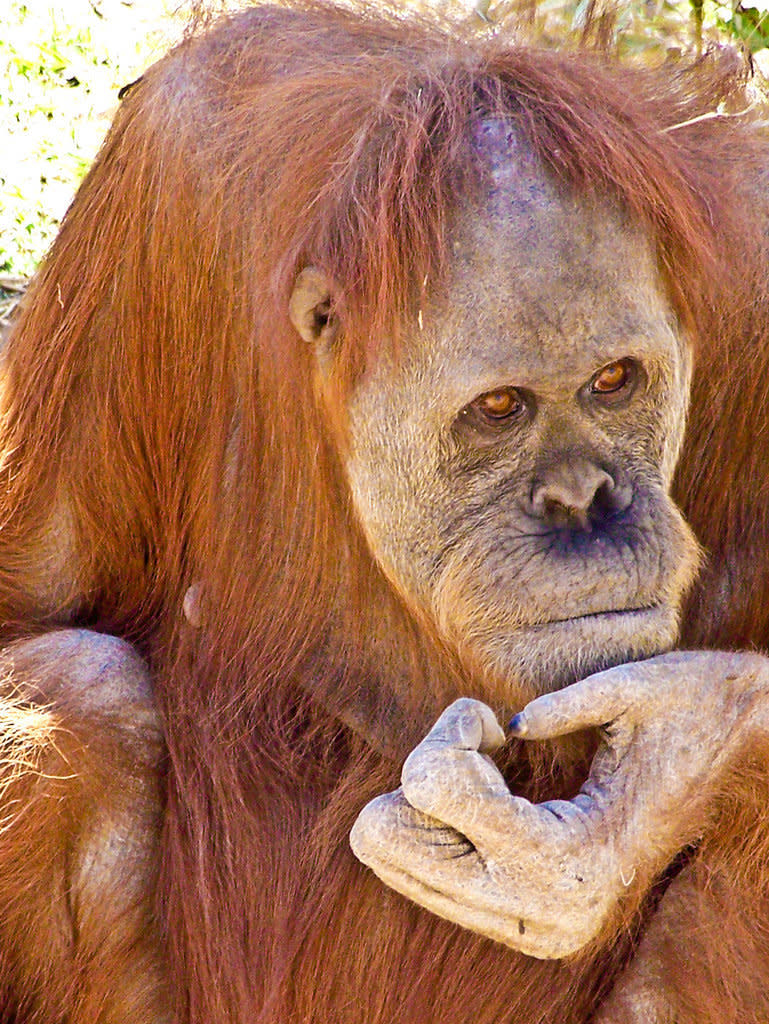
(614, 613)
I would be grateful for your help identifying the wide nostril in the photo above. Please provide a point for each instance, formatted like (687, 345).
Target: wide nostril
(578, 494)
(611, 499)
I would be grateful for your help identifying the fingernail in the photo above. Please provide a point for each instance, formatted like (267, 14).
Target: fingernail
(518, 725)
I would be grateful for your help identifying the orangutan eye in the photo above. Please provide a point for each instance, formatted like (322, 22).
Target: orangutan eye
(495, 406)
(613, 378)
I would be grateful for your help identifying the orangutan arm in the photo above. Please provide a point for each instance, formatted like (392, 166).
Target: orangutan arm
(547, 879)
(80, 760)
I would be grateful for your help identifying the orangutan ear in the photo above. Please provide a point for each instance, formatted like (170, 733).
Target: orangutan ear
(310, 309)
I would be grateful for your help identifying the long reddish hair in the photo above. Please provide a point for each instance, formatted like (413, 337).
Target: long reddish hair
(159, 415)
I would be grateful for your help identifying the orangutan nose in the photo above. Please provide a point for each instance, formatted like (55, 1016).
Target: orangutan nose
(577, 494)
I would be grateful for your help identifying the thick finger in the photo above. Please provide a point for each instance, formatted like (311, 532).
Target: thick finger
(466, 724)
(528, 905)
(447, 778)
(389, 830)
(596, 700)
(466, 791)
(439, 869)
(411, 851)
(546, 942)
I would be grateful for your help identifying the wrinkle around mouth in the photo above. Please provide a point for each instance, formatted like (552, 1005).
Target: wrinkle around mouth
(595, 616)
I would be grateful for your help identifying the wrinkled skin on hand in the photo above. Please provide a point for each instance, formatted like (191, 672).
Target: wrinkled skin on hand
(545, 878)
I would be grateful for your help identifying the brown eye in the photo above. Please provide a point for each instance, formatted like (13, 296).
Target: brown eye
(498, 405)
(612, 378)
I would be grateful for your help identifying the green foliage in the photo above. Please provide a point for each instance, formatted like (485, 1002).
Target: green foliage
(748, 24)
(645, 30)
(61, 64)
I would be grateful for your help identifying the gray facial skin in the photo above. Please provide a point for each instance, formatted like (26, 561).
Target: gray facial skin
(511, 471)
(543, 544)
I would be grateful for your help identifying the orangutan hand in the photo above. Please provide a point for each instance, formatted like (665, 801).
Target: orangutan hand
(544, 878)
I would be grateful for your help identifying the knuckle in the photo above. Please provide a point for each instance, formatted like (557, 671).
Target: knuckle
(375, 828)
(425, 780)
(461, 724)
(465, 705)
